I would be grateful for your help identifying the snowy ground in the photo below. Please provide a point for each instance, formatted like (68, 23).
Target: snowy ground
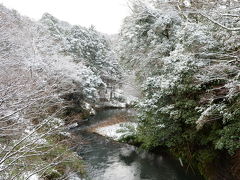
(115, 131)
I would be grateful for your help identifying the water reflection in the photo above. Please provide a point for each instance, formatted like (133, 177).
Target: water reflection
(108, 160)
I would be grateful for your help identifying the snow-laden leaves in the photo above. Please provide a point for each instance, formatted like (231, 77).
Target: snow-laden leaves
(187, 60)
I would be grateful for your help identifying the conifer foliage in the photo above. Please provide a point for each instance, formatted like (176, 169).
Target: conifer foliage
(186, 55)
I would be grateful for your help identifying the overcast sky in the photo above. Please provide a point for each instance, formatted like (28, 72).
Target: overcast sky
(105, 15)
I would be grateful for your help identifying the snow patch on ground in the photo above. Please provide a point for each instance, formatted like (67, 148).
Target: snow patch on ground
(115, 131)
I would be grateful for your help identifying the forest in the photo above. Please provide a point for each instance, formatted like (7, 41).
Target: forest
(187, 59)
(181, 58)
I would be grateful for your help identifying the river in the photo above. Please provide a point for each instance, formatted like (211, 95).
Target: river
(109, 160)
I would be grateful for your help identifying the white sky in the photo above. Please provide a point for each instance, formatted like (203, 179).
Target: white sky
(105, 15)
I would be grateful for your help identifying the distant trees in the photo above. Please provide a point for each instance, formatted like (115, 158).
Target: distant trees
(90, 51)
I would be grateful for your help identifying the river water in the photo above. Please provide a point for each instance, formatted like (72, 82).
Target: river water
(109, 160)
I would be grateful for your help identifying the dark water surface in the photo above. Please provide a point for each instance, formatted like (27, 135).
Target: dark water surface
(109, 160)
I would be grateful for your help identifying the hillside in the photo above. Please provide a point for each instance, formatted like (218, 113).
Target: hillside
(177, 62)
(52, 74)
(186, 56)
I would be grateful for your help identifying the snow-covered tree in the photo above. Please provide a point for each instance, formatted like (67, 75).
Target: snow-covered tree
(186, 55)
(39, 71)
